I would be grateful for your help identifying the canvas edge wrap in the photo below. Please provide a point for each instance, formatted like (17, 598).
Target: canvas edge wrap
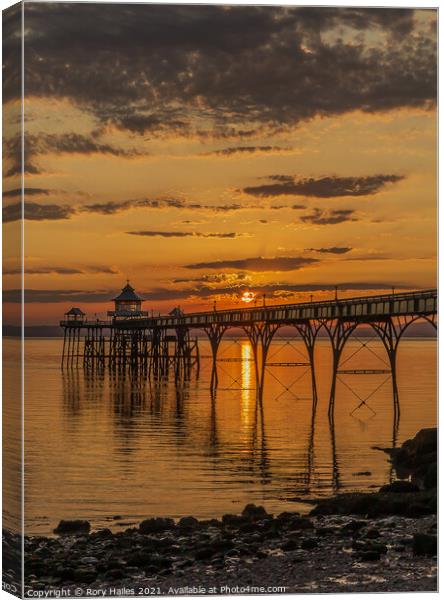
(13, 207)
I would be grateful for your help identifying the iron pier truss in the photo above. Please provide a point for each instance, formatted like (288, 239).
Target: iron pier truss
(156, 347)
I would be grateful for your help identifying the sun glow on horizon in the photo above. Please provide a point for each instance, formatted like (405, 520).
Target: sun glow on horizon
(248, 297)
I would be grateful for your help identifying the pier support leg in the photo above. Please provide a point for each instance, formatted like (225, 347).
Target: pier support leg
(260, 336)
(308, 332)
(183, 354)
(338, 331)
(390, 332)
(215, 333)
(64, 347)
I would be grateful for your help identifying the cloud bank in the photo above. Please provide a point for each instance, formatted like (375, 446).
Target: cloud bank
(224, 70)
(258, 264)
(324, 187)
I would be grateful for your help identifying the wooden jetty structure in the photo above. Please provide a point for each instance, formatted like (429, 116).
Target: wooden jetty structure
(157, 346)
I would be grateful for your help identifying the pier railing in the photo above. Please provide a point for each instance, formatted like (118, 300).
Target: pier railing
(366, 307)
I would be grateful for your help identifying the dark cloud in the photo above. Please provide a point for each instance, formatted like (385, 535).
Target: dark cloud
(12, 156)
(27, 192)
(298, 206)
(37, 212)
(212, 69)
(59, 270)
(331, 250)
(182, 234)
(74, 296)
(259, 264)
(43, 271)
(281, 178)
(65, 143)
(103, 270)
(329, 216)
(11, 50)
(217, 208)
(324, 187)
(247, 150)
(110, 208)
(215, 278)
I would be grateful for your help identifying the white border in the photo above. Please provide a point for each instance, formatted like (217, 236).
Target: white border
(344, 3)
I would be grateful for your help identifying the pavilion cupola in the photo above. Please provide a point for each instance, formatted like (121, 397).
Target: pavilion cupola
(127, 303)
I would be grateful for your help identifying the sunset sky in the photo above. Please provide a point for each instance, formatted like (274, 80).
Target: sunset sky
(201, 151)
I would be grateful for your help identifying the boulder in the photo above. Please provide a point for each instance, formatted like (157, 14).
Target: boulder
(156, 525)
(376, 504)
(233, 520)
(188, 523)
(255, 513)
(286, 516)
(77, 527)
(417, 457)
(399, 487)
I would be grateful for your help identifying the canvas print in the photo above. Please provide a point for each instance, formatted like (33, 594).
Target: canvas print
(220, 304)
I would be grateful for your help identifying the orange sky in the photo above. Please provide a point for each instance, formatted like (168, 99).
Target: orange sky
(195, 190)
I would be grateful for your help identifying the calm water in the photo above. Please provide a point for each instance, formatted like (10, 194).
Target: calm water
(97, 447)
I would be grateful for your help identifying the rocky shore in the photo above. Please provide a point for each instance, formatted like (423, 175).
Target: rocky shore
(384, 541)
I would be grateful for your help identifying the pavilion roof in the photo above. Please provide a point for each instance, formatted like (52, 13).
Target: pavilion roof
(129, 294)
(75, 311)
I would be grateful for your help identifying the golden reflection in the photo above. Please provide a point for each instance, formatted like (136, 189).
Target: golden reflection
(248, 394)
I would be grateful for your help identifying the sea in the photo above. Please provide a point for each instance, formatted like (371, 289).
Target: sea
(116, 449)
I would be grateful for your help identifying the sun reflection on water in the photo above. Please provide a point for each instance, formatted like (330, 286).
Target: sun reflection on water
(248, 396)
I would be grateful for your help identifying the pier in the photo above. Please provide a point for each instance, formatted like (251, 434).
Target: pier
(157, 347)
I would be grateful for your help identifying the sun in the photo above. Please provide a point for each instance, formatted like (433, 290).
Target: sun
(248, 297)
